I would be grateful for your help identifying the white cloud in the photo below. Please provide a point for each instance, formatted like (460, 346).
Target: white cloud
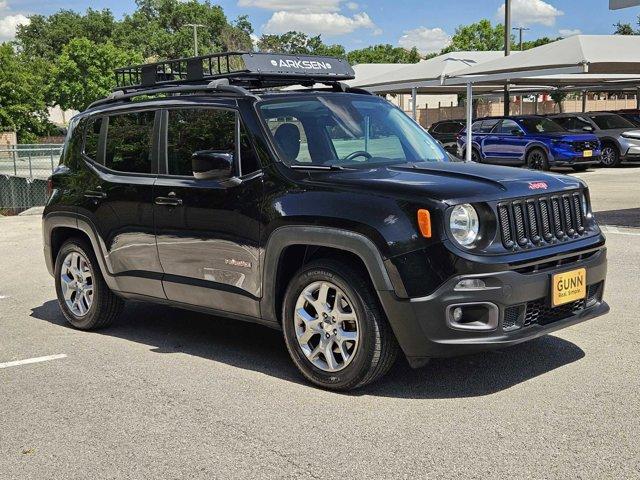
(327, 24)
(307, 6)
(565, 32)
(530, 12)
(9, 24)
(426, 40)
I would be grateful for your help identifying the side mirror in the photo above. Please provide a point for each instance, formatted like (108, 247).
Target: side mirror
(587, 128)
(212, 164)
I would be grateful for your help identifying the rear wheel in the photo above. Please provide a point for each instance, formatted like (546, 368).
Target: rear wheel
(475, 156)
(334, 328)
(84, 297)
(610, 156)
(537, 160)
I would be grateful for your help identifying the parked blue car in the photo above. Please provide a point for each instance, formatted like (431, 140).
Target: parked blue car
(532, 141)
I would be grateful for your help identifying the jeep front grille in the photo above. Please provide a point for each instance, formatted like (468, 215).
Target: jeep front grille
(535, 222)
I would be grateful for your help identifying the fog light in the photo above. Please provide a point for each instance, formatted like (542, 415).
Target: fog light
(473, 316)
(471, 284)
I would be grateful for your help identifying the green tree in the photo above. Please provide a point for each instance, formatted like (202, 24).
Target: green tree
(44, 37)
(298, 43)
(529, 44)
(158, 28)
(624, 29)
(84, 72)
(477, 36)
(383, 54)
(22, 104)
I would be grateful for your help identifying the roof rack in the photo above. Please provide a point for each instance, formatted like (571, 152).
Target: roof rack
(247, 70)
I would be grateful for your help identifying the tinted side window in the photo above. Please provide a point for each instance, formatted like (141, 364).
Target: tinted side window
(451, 127)
(192, 130)
(91, 137)
(129, 142)
(507, 127)
(476, 127)
(487, 125)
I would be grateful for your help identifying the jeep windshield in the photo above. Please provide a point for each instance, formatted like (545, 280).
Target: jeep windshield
(346, 131)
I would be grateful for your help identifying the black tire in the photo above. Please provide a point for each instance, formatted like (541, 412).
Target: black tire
(537, 160)
(377, 349)
(475, 156)
(105, 306)
(610, 157)
(580, 168)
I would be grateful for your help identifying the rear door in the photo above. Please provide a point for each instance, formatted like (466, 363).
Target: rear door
(508, 142)
(115, 194)
(208, 231)
(488, 140)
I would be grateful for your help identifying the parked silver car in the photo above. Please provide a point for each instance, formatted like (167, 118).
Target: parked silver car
(619, 137)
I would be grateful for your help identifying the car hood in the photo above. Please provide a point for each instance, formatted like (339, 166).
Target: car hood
(619, 131)
(569, 137)
(450, 182)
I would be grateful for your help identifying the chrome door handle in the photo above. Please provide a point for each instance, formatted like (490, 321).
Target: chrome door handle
(94, 194)
(171, 201)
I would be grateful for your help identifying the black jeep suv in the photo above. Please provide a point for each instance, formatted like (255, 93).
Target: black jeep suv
(324, 212)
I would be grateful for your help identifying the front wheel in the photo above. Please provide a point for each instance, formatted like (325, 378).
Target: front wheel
(334, 328)
(610, 156)
(537, 160)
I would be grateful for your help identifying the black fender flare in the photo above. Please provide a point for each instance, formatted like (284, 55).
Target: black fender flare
(383, 273)
(539, 145)
(73, 220)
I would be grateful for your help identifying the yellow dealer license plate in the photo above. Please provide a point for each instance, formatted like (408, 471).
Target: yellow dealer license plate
(568, 287)
(587, 153)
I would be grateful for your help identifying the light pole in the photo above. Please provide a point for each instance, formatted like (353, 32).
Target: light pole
(521, 29)
(507, 50)
(195, 27)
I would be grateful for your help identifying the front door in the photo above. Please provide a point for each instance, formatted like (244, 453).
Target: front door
(208, 230)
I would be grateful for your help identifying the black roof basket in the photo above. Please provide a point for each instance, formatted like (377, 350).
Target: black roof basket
(248, 70)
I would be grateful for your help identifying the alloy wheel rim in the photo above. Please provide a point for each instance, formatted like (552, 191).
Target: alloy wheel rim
(326, 326)
(607, 155)
(536, 161)
(76, 280)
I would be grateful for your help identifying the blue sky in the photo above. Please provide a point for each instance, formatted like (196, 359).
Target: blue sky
(427, 24)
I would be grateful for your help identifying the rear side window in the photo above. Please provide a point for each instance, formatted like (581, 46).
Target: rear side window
(487, 125)
(450, 127)
(507, 127)
(130, 142)
(92, 137)
(194, 130)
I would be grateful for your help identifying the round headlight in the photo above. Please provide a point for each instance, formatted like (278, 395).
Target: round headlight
(464, 224)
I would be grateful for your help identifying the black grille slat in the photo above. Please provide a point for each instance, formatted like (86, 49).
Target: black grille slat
(577, 211)
(558, 229)
(533, 222)
(568, 216)
(518, 216)
(546, 220)
(505, 226)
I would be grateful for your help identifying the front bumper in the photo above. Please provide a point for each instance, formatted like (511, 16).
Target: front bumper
(520, 297)
(632, 153)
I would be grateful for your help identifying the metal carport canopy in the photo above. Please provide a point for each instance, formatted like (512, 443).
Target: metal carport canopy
(570, 61)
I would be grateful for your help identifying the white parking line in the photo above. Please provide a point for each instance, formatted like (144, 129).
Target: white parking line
(32, 360)
(621, 231)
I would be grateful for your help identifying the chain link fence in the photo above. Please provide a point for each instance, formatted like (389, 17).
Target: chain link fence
(24, 170)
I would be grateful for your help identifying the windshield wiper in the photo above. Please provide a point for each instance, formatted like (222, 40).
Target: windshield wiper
(317, 167)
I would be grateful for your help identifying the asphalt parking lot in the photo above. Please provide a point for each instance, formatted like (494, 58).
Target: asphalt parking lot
(171, 394)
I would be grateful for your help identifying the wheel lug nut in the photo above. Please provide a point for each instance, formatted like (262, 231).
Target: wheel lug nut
(327, 335)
